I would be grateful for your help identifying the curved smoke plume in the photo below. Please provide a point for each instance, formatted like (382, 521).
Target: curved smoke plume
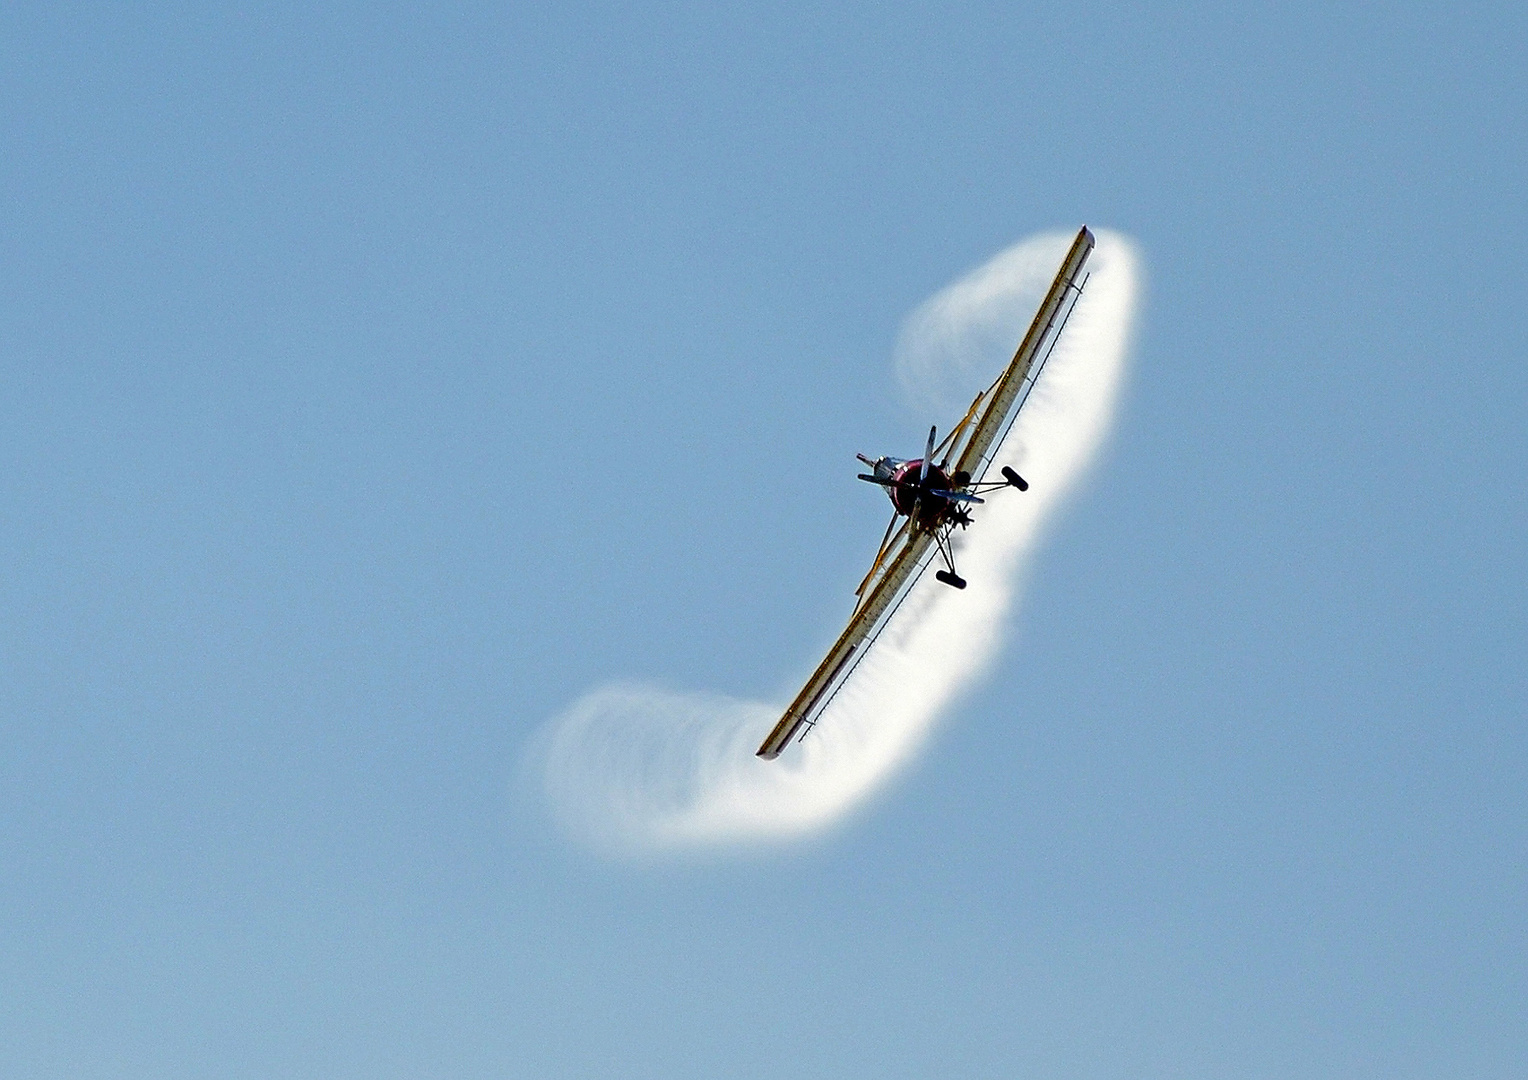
(632, 768)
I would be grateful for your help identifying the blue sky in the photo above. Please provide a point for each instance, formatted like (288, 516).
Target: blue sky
(375, 381)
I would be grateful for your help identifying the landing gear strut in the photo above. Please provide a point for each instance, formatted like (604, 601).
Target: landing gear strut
(947, 576)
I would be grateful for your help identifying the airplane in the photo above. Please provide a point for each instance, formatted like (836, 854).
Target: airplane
(931, 500)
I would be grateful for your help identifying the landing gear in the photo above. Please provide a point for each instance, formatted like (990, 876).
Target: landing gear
(947, 576)
(934, 502)
(951, 579)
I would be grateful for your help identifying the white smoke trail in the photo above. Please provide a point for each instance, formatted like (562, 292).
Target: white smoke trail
(632, 768)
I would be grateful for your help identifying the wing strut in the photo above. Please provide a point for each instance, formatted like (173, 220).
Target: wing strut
(880, 553)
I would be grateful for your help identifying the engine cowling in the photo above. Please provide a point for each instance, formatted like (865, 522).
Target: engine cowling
(906, 490)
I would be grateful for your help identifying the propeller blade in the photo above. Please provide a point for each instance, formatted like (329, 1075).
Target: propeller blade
(928, 455)
(958, 496)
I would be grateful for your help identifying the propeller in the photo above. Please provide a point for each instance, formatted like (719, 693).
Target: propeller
(912, 515)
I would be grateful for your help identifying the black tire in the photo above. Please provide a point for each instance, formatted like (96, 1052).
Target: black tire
(950, 579)
(1015, 479)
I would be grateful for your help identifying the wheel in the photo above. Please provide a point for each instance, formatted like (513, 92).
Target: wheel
(1015, 479)
(951, 579)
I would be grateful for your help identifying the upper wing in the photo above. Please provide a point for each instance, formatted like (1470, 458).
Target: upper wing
(875, 603)
(997, 401)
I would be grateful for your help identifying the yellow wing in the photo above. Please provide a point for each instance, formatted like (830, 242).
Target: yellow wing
(1001, 396)
(876, 602)
(899, 561)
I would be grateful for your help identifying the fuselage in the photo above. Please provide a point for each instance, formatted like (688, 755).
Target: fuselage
(912, 498)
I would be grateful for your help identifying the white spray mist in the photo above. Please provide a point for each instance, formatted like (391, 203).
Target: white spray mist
(632, 769)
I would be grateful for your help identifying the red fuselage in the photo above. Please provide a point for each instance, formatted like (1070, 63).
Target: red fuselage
(905, 494)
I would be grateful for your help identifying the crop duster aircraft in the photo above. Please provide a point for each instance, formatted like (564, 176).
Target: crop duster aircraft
(930, 501)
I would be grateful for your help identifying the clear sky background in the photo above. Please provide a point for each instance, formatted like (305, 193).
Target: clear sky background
(373, 382)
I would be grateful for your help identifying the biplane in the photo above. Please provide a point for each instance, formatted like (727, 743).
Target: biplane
(934, 495)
